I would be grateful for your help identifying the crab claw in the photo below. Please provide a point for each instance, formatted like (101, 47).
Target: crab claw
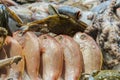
(3, 34)
(9, 61)
(16, 59)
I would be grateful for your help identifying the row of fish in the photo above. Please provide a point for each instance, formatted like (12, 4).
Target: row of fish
(47, 57)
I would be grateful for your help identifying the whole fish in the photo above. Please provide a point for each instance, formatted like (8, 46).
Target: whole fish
(73, 59)
(52, 57)
(92, 55)
(13, 48)
(31, 51)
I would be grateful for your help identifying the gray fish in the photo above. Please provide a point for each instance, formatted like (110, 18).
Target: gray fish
(70, 11)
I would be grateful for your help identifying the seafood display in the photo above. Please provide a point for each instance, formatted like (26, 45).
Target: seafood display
(60, 40)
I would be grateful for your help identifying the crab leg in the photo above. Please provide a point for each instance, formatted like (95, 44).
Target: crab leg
(9, 61)
(12, 13)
